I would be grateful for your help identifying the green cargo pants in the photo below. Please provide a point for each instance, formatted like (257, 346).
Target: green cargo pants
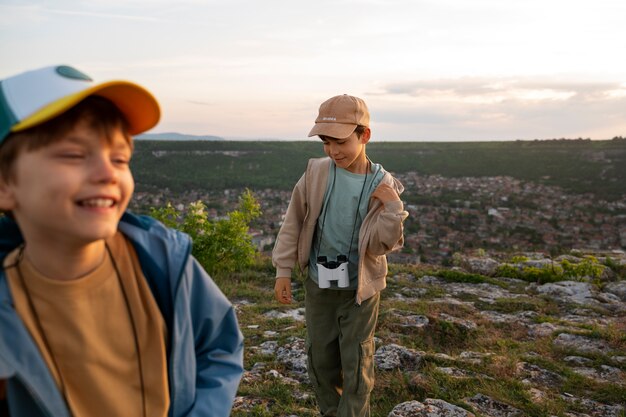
(340, 349)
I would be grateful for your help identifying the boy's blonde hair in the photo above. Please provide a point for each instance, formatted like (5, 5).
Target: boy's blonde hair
(101, 115)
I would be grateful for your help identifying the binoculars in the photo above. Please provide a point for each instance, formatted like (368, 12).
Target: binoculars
(328, 271)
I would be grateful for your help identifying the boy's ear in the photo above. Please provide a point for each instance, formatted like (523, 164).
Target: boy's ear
(7, 200)
(366, 135)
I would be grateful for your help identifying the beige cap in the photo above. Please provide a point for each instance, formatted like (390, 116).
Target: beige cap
(339, 116)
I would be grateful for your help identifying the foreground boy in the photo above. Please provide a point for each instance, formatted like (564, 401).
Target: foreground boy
(102, 313)
(345, 214)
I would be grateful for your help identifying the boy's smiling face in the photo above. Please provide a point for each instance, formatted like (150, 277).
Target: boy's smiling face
(73, 191)
(348, 153)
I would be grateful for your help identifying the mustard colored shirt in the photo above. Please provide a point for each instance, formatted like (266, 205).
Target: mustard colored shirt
(105, 361)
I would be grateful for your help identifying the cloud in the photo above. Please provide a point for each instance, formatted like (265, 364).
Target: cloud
(504, 108)
(101, 15)
(490, 90)
(35, 12)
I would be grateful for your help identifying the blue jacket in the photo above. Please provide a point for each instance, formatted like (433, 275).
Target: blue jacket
(205, 346)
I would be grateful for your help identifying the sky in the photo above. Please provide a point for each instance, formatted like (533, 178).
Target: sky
(429, 70)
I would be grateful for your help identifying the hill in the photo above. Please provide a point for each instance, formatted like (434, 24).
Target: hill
(578, 166)
(460, 344)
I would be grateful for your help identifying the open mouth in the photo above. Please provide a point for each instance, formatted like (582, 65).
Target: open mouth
(97, 202)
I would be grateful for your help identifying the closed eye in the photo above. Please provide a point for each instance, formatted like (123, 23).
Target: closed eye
(121, 160)
(71, 155)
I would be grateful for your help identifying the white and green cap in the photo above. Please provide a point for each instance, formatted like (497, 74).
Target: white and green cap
(33, 97)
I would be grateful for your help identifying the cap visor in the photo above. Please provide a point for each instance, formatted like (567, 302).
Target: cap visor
(138, 106)
(333, 130)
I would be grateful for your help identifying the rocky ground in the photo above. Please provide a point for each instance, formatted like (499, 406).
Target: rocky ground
(456, 345)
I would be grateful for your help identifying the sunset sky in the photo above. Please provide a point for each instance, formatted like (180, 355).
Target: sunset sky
(430, 70)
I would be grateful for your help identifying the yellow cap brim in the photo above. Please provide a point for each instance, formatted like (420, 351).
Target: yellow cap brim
(138, 106)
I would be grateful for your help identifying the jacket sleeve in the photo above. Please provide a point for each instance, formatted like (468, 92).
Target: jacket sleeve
(388, 230)
(285, 252)
(218, 346)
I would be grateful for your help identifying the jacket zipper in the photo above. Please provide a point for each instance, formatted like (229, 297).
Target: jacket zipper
(175, 346)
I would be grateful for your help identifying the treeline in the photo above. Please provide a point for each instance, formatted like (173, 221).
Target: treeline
(577, 165)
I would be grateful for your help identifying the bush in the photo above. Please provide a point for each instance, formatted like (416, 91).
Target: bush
(587, 268)
(221, 246)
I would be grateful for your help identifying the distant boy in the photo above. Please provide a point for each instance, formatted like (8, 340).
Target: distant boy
(102, 313)
(345, 214)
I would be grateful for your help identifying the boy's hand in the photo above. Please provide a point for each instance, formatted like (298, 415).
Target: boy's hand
(385, 193)
(282, 290)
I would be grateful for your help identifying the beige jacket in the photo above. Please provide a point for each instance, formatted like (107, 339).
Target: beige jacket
(381, 231)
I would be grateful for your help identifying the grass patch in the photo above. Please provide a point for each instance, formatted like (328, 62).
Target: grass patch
(270, 398)
(511, 305)
(447, 337)
(464, 277)
(391, 385)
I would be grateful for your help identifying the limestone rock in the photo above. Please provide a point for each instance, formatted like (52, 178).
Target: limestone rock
(296, 314)
(408, 293)
(474, 357)
(488, 293)
(247, 404)
(572, 291)
(581, 344)
(604, 374)
(462, 323)
(483, 266)
(431, 280)
(616, 288)
(538, 375)
(293, 355)
(619, 359)
(408, 319)
(269, 347)
(429, 408)
(492, 408)
(593, 408)
(393, 356)
(456, 372)
(577, 360)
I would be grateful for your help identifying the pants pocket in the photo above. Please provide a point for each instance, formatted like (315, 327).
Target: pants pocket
(366, 367)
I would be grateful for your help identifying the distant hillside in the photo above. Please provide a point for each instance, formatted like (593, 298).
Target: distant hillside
(579, 166)
(175, 136)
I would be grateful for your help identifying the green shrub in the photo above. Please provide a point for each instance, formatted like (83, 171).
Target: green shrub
(541, 275)
(221, 246)
(518, 259)
(530, 274)
(587, 267)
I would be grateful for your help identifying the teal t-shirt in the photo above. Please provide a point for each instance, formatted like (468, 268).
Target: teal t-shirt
(345, 206)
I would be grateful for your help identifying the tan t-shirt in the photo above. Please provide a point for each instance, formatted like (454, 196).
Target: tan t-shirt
(92, 340)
